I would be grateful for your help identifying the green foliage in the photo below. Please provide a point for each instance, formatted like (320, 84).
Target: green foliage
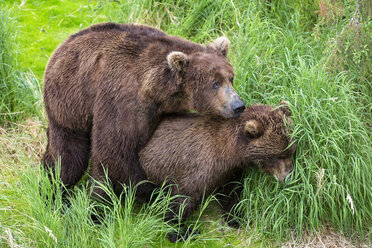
(7, 63)
(42, 218)
(353, 49)
(332, 165)
(19, 91)
(305, 53)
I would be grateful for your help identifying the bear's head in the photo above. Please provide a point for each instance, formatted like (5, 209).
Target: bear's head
(207, 79)
(264, 132)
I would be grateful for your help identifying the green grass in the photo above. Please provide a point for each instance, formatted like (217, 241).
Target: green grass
(281, 50)
(20, 91)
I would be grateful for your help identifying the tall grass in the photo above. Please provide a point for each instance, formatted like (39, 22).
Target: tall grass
(33, 214)
(281, 50)
(7, 62)
(19, 91)
(333, 165)
(43, 219)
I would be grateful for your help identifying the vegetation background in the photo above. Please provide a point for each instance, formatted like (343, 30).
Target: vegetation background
(315, 54)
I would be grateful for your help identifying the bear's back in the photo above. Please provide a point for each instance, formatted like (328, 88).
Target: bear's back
(132, 29)
(137, 35)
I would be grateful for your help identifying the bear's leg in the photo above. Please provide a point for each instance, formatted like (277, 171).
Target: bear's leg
(111, 169)
(98, 182)
(118, 172)
(229, 196)
(73, 147)
(115, 147)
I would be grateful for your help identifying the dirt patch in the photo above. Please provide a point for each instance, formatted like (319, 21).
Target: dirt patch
(326, 239)
(24, 142)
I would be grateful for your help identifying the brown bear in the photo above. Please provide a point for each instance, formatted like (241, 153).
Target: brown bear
(200, 154)
(107, 86)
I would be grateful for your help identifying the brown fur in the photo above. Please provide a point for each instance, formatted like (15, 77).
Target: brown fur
(201, 154)
(107, 86)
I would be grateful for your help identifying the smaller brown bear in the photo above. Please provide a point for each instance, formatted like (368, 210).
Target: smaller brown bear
(200, 155)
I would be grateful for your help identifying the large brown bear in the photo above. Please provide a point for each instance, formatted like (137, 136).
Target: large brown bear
(107, 86)
(200, 155)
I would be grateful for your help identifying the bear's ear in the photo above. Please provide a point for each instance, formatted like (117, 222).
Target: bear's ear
(221, 44)
(253, 129)
(177, 60)
(284, 108)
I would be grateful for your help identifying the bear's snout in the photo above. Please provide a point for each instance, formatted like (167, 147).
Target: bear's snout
(233, 106)
(283, 170)
(238, 107)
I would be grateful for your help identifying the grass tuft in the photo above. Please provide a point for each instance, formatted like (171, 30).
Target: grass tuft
(19, 91)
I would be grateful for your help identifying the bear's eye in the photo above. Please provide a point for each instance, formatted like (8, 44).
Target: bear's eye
(216, 84)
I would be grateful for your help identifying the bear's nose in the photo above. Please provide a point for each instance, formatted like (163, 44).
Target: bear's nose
(238, 107)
